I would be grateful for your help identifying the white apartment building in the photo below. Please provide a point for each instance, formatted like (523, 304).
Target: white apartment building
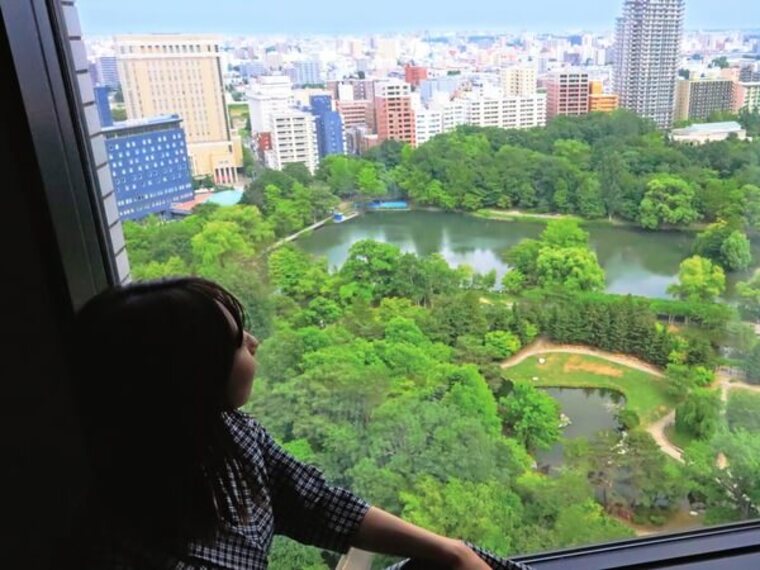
(507, 112)
(748, 96)
(428, 123)
(294, 139)
(268, 96)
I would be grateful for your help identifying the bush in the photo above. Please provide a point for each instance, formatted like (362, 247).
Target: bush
(657, 520)
(628, 419)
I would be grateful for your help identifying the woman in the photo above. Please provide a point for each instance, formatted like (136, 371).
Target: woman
(181, 479)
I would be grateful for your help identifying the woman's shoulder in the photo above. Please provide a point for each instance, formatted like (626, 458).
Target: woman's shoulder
(248, 435)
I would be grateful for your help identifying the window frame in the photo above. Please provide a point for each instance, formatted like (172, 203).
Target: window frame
(43, 61)
(44, 65)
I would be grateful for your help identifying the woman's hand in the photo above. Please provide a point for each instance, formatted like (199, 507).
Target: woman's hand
(466, 559)
(387, 534)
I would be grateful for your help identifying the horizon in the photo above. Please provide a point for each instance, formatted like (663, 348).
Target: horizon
(299, 19)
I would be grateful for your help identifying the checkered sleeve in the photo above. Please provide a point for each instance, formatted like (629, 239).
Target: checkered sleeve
(307, 508)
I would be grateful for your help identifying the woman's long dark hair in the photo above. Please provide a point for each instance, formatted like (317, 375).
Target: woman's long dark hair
(153, 362)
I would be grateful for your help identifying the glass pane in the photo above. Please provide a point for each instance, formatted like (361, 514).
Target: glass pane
(503, 271)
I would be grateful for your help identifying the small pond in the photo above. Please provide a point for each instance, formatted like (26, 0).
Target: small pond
(590, 411)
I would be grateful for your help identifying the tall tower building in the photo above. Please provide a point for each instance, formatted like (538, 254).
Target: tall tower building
(647, 48)
(181, 74)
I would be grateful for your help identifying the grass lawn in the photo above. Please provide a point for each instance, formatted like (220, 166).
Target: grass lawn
(238, 110)
(645, 394)
(677, 438)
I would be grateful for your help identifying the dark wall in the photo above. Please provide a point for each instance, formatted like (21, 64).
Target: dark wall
(42, 472)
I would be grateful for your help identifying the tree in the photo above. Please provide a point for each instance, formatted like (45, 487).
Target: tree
(564, 233)
(371, 265)
(287, 554)
(699, 414)
(751, 365)
(668, 200)
(731, 490)
(502, 344)
(487, 514)
(735, 251)
(749, 296)
(743, 411)
(531, 416)
(574, 268)
(217, 244)
(298, 172)
(699, 280)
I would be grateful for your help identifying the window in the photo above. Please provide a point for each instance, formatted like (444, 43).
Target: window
(481, 361)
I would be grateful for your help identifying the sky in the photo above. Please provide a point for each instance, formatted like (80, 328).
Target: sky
(250, 17)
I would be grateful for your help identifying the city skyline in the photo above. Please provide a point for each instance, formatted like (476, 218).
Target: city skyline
(297, 17)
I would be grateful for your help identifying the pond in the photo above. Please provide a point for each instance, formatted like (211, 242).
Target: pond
(590, 411)
(635, 261)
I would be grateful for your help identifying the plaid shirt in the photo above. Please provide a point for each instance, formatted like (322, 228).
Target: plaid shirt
(294, 500)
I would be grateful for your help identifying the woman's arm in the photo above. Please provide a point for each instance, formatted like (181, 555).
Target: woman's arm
(384, 533)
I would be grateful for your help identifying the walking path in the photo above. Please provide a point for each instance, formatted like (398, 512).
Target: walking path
(546, 347)
(314, 226)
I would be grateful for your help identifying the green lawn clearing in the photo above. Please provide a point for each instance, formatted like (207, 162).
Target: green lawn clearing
(644, 393)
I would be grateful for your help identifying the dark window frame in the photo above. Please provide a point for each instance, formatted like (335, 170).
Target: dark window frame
(43, 64)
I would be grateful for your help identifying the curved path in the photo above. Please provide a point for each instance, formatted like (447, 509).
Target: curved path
(655, 429)
(546, 347)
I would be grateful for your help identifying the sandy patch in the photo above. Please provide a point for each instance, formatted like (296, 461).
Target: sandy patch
(578, 364)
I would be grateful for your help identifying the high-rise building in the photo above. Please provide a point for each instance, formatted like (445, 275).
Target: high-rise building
(748, 97)
(567, 93)
(307, 72)
(149, 165)
(329, 126)
(700, 98)
(108, 71)
(103, 105)
(647, 50)
(268, 95)
(413, 74)
(394, 115)
(599, 101)
(181, 74)
(518, 81)
(294, 139)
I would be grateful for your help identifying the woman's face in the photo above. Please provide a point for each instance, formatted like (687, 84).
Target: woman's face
(243, 367)
(243, 371)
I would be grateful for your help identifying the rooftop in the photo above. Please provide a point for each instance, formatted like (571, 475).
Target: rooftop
(705, 128)
(161, 120)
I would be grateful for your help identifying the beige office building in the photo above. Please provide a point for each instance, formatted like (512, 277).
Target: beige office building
(518, 81)
(165, 74)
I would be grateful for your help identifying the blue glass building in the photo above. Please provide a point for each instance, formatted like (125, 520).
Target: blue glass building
(103, 106)
(149, 165)
(329, 126)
